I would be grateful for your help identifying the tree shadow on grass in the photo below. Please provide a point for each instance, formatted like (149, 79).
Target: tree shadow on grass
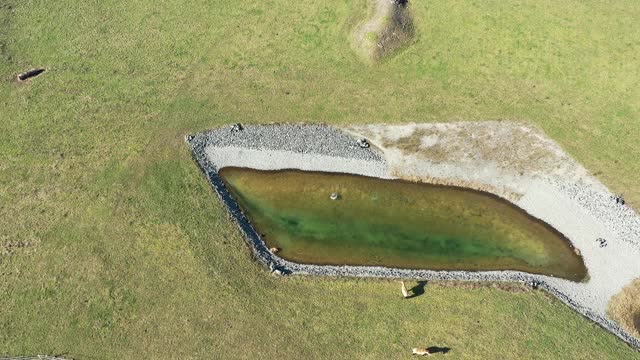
(418, 289)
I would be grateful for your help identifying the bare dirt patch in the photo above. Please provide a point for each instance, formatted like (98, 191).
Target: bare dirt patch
(509, 145)
(624, 308)
(389, 28)
(9, 247)
(472, 154)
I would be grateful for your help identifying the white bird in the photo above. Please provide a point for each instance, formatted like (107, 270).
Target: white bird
(405, 292)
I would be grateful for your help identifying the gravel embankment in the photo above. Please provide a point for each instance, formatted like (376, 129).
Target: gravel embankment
(296, 138)
(619, 219)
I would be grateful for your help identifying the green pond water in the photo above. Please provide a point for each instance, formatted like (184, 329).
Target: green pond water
(396, 223)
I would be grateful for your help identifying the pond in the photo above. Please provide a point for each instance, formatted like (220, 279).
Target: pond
(396, 223)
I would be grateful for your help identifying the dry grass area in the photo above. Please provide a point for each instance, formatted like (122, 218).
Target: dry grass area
(510, 146)
(624, 308)
(10, 246)
(511, 287)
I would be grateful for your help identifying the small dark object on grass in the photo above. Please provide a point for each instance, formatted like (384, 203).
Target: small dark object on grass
(236, 127)
(29, 74)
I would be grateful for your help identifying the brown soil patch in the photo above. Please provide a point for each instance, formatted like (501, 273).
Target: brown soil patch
(389, 29)
(11, 246)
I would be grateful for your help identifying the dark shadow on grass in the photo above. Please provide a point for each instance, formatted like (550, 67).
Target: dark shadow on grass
(437, 349)
(418, 289)
(30, 74)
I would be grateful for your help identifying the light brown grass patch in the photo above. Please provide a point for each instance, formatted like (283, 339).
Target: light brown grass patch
(506, 144)
(624, 308)
(512, 287)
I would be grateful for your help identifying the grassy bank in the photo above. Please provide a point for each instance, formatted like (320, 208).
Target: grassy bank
(103, 254)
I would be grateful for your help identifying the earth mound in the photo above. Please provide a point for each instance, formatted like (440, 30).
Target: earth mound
(389, 29)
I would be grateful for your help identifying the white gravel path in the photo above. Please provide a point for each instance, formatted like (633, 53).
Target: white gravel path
(581, 208)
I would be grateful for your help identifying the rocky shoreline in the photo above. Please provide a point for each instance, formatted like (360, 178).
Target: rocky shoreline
(325, 148)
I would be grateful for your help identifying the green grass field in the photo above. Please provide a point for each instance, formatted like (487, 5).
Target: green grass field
(113, 245)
